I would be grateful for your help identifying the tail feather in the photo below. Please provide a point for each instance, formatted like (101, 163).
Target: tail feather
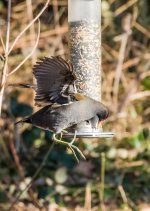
(27, 120)
(21, 121)
(32, 86)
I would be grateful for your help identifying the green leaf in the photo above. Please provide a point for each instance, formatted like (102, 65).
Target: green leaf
(146, 82)
(19, 109)
(31, 135)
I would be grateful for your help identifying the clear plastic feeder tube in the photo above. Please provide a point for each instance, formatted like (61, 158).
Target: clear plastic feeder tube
(84, 18)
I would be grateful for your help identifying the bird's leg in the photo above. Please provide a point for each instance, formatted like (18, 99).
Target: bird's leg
(74, 138)
(61, 133)
(70, 146)
(76, 148)
(65, 143)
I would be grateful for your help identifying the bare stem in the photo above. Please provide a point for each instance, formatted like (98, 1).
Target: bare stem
(26, 58)
(28, 26)
(33, 178)
(5, 69)
(102, 182)
(122, 53)
(32, 28)
(2, 42)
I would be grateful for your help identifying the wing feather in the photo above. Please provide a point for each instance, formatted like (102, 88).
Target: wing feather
(53, 75)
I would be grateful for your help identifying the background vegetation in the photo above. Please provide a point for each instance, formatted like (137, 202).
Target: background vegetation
(116, 174)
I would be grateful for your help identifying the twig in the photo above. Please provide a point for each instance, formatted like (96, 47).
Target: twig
(143, 30)
(124, 40)
(15, 155)
(145, 74)
(124, 7)
(139, 95)
(8, 27)
(123, 194)
(2, 42)
(56, 13)
(88, 198)
(131, 164)
(5, 69)
(131, 62)
(25, 59)
(57, 25)
(53, 32)
(32, 28)
(102, 182)
(33, 178)
(28, 26)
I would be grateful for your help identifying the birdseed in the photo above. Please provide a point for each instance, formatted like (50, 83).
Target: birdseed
(85, 56)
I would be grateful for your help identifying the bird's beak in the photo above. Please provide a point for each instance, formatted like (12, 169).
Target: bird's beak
(100, 124)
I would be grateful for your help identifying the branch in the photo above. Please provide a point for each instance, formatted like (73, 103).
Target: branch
(126, 24)
(25, 59)
(2, 42)
(33, 178)
(28, 26)
(6, 47)
(139, 95)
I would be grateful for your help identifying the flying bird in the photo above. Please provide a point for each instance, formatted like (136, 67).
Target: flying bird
(62, 106)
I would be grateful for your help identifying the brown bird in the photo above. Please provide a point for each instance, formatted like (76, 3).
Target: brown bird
(62, 106)
(55, 78)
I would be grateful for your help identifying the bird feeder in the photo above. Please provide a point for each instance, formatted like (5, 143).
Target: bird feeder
(84, 17)
(84, 44)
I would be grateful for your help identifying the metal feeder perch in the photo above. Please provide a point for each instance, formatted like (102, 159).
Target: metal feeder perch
(84, 17)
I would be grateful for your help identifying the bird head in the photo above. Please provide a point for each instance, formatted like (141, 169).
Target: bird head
(102, 113)
(102, 116)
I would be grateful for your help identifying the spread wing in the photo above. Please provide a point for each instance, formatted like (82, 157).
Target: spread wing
(55, 78)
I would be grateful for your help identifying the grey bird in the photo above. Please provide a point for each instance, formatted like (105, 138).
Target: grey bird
(61, 106)
(56, 119)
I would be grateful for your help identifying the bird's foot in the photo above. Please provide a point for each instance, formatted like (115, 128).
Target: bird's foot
(70, 145)
(73, 147)
(74, 138)
(61, 133)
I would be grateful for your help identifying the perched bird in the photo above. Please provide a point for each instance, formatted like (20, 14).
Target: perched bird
(62, 106)
(59, 118)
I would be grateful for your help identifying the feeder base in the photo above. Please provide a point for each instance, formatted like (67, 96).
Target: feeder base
(96, 134)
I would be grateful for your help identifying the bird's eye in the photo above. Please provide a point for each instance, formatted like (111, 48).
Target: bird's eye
(87, 122)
